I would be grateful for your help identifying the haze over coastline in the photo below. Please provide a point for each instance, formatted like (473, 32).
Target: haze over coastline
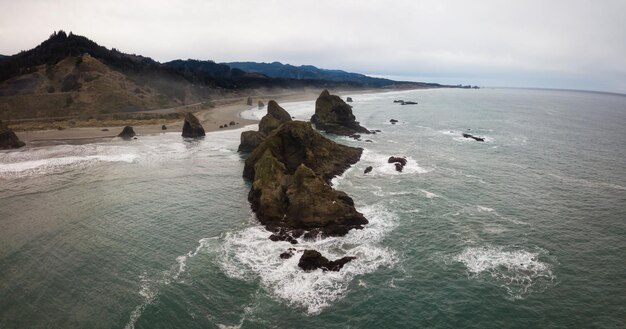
(560, 44)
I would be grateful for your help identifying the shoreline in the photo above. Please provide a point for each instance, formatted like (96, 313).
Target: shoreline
(224, 112)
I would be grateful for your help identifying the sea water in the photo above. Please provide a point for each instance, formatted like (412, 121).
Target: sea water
(526, 229)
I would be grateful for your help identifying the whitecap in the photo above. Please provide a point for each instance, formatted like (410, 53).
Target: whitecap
(150, 285)
(514, 268)
(382, 167)
(43, 166)
(429, 195)
(484, 209)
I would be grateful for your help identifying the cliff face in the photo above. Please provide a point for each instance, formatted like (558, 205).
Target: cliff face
(335, 116)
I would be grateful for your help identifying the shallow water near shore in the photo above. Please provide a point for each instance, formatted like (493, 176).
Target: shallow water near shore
(523, 230)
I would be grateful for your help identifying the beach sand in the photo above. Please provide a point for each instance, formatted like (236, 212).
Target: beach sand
(223, 112)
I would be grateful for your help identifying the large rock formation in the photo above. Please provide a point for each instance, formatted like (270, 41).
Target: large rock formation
(192, 127)
(334, 116)
(290, 171)
(127, 133)
(312, 260)
(295, 143)
(8, 139)
(275, 116)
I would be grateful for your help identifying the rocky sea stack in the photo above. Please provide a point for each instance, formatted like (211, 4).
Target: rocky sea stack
(192, 127)
(127, 133)
(275, 116)
(290, 168)
(334, 116)
(8, 139)
(290, 171)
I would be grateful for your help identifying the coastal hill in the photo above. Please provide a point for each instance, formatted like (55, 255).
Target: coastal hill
(69, 75)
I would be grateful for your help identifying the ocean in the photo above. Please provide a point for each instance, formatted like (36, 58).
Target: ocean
(524, 230)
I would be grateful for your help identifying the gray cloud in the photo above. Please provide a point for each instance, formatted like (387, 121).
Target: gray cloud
(558, 44)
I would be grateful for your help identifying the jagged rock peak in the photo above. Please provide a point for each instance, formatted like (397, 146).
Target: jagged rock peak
(192, 127)
(335, 116)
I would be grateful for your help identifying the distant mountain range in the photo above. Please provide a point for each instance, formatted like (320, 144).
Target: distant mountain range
(287, 71)
(68, 74)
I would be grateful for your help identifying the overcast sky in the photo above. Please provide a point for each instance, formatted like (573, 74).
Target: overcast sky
(555, 44)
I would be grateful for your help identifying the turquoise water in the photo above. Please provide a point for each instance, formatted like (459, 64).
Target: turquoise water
(524, 230)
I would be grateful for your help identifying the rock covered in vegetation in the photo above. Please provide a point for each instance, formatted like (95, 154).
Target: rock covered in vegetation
(290, 171)
(312, 260)
(250, 140)
(275, 116)
(8, 138)
(127, 133)
(334, 116)
(192, 127)
(295, 143)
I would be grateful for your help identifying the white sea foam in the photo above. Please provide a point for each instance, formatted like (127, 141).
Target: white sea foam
(249, 254)
(430, 195)
(381, 166)
(150, 285)
(43, 166)
(484, 209)
(516, 269)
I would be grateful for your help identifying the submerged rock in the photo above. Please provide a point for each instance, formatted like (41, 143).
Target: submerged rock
(408, 103)
(393, 121)
(261, 105)
(398, 162)
(287, 254)
(349, 100)
(163, 127)
(478, 139)
(192, 127)
(334, 116)
(368, 169)
(127, 133)
(312, 260)
(8, 138)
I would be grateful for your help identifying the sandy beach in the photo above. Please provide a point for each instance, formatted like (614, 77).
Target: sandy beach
(224, 111)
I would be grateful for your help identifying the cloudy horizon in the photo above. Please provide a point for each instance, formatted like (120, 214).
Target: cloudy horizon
(560, 44)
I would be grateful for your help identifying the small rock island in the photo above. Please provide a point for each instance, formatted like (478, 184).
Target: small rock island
(335, 116)
(290, 167)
